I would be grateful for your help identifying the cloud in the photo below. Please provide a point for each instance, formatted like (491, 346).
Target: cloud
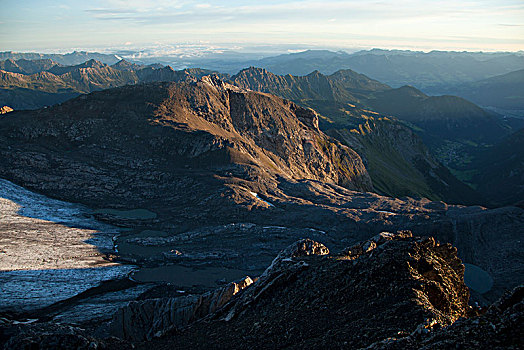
(275, 11)
(272, 21)
(108, 11)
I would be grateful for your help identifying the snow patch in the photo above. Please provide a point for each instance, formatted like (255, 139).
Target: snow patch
(260, 199)
(386, 212)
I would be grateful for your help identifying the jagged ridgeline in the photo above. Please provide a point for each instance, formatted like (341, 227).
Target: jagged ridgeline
(398, 163)
(205, 153)
(27, 84)
(393, 291)
(223, 177)
(139, 143)
(397, 159)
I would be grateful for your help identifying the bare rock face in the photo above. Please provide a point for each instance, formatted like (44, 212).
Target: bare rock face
(47, 336)
(143, 320)
(150, 318)
(202, 153)
(303, 247)
(391, 285)
(500, 327)
(393, 291)
(153, 142)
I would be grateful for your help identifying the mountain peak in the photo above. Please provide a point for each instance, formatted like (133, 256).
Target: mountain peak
(315, 73)
(126, 65)
(92, 63)
(254, 70)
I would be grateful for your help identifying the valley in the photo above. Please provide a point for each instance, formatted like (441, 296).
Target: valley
(175, 208)
(455, 131)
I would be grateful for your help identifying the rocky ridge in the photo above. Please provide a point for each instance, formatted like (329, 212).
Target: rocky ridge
(388, 285)
(453, 128)
(393, 291)
(27, 84)
(206, 156)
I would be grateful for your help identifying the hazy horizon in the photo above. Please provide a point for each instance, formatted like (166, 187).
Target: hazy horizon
(274, 26)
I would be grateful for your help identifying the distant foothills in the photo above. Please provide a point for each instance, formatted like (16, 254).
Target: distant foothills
(412, 143)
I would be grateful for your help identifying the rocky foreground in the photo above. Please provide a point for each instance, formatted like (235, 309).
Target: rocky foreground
(394, 291)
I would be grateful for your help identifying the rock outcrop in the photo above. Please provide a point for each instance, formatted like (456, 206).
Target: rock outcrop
(5, 109)
(143, 320)
(393, 291)
(166, 139)
(48, 336)
(450, 126)
(392, 285)
(201, 156)
(500, 327)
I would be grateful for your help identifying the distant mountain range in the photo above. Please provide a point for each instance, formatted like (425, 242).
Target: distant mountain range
(393, 67)
(33, 84)
(354, 109)
(68, 59)
(398, 68)
(488, 79)
(464, 74)
(502, 91)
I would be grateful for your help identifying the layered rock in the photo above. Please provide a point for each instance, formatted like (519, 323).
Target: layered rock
(5, 109)
(143, 320)
(389, 285)
(164, 138)
(498, 328)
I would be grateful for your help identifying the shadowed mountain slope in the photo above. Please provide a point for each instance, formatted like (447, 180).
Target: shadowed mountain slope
(393, 291)
(453, 128)
(397, 160)
(204, 154)
(212, 126)
(501, 174)
(502, 91)
(439, 116)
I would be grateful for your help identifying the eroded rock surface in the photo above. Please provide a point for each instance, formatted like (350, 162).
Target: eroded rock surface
(5, 109)
(203, 154)
(499, 328)
(393, 291)
(391, 285)
(143, 320)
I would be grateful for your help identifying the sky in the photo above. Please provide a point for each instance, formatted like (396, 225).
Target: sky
(55, 26)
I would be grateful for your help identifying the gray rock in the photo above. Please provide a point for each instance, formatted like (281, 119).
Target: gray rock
(146, 319)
